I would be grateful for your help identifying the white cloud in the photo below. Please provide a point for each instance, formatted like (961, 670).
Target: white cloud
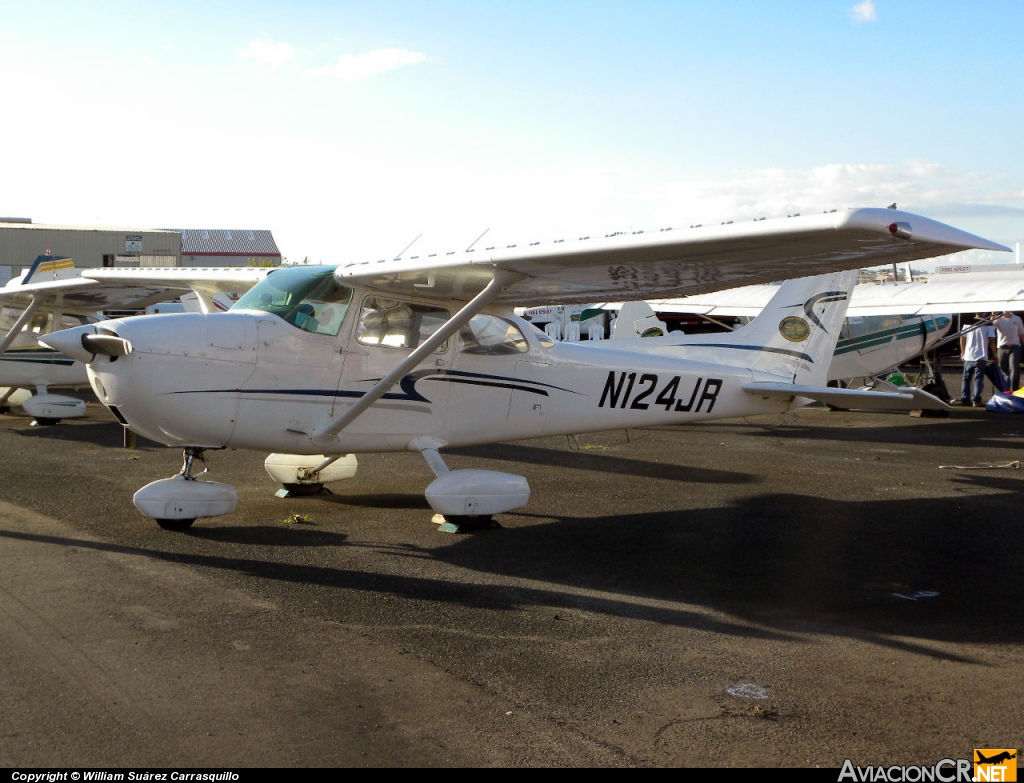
(353, 67)
(864, 11)
(913, 184)
(270, 56)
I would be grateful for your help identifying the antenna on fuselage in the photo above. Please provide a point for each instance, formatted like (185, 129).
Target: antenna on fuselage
(477, 239)
(417, 239)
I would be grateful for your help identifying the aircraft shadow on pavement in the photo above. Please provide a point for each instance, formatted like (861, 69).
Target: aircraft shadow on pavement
(782, 565)
(109, 434)
(296, 534)
(601, 463)
(392, 500)
(969, 432)
(494, 597)
(913, 567)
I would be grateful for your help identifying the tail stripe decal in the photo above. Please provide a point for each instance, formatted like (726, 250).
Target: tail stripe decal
(759, 348)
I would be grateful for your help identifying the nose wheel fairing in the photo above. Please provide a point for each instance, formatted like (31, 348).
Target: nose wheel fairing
(176, 502)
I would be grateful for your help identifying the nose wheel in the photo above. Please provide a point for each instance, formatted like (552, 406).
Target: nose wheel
(190, 457)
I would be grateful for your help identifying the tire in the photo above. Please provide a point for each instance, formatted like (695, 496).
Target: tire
(480, 522)
(46, 421)
(303, 490)
(175, 524)
(836, 385)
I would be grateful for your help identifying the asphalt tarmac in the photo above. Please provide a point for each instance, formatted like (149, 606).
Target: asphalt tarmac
(736, 594)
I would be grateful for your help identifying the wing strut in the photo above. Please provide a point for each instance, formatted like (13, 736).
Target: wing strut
(19, 325)
(500, 282)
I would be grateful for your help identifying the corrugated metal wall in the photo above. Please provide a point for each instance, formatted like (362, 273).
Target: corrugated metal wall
(20, 243)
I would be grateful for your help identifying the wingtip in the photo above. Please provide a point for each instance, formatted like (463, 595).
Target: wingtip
(908, 225)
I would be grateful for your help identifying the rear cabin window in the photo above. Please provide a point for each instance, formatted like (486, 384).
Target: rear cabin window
(859, 326)
(393, 323)
(488, 335)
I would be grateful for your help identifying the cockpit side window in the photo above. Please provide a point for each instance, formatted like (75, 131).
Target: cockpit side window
(489, 335)
(542, 337)
(41, 321)
(69, 321)
(306, 297)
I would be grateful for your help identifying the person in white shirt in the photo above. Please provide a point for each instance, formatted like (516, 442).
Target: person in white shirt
(1010, 331)
(977, 342)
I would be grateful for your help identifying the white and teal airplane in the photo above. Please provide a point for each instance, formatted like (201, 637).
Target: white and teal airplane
(318, 364)
(880, 333)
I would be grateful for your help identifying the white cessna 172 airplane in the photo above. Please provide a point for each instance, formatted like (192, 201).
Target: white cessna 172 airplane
(53, 294)
(315, 363)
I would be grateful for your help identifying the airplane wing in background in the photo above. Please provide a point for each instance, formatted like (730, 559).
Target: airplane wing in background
(974, 292)
(672, 263)
(95, 290)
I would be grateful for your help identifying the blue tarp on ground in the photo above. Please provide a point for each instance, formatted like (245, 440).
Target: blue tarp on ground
(1004, 402)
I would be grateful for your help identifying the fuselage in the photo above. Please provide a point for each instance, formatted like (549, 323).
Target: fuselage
(272, 376)
(28, 364)
(872, 345)
(275, 387)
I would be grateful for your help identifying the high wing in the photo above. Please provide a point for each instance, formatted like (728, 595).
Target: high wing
(95, 290)
(672, 263)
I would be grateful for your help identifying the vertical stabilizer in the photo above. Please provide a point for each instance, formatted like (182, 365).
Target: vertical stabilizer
(796, 333)
(49, 267)
(792, 339)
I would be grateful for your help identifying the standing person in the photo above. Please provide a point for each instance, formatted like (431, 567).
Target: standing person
(975, 342)
(999, 382)
(1010, 331)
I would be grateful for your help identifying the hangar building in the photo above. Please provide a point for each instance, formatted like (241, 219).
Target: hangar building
(21, 241)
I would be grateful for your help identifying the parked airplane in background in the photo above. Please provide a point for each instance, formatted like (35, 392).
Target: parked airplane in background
(874, 339)
(53, 294)
(887, 325)
(424, 354)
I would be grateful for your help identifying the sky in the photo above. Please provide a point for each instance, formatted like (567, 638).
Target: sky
(352, 129)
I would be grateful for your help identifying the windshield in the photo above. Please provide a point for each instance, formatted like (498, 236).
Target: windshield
(307, 297)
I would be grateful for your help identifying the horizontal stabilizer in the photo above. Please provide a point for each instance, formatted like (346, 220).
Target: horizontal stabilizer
(906, 399)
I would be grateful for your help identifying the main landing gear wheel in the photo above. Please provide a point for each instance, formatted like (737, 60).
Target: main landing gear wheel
(836, 385)
(457, 523)
(42, 421)
(304, 490)
(174, 524)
